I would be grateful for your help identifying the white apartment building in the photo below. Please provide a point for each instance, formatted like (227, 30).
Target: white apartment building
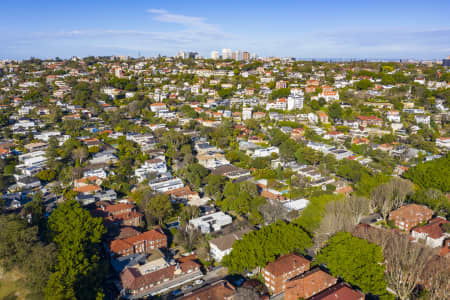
(215, 54)
(226, 53)
(393, 116)
(167, 184)
(156, 165)
(246, 113)
(294, 102)
(212, 222)
(264, 152)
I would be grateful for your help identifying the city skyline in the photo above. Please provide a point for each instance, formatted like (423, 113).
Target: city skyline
(349, 29)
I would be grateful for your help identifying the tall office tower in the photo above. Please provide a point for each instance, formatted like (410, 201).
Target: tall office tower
(246, 55)
(215, 54)
(226, 53)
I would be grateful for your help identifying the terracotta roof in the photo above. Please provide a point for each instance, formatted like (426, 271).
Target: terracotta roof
(433, 229)
(309, 284)
(181, 192)
(87, 179)
(344, 190)
(117, 246)
(118, 207)
(366, 118)
(89, 188)
(410, 211)
(341, 291)
(285, 264)
(217, 291)
(132, 279)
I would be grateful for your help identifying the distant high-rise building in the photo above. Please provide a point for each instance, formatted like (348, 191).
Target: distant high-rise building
(246, 55)
(237, 55)
(226, 53)
(186, 54)
(446, 62)
(215, 54)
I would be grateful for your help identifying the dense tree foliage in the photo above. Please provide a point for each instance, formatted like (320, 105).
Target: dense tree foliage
(433, 174)
(257, 248)
(21, 248)
(356, 261)
(312, 215)
(77, 234)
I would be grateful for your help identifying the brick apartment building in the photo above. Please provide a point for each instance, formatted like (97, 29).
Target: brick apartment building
(137, 285)
(369, 121)
(284, 268)
(220, 290)
(123, 214)
(142, 243)
(411, 215)
(308, 284)
(340, 291)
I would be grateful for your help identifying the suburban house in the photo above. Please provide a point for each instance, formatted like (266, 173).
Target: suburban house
(432, 233)
(211, 222)
(411, 215)
(162, 185)
(156, 166)
(156, 107)
(443, 142)
(281, 270)
(393, 116)
(221, 246)
(143, 243)
(308, 284)
(369, 121)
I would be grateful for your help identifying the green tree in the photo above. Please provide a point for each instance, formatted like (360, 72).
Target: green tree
(363, 84)
(158, 208)
(335, 111)
(356, 261)
(433, 174)
(196, 174)
(257, 248)
(215, 184)
(78, 238)
(46, 175)
(287, 150)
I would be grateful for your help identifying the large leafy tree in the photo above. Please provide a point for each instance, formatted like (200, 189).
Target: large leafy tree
(78, 238)
(257, 248)
(196, 174)
(21, 248)
(356, 261)
(158, 208)
(434, 174)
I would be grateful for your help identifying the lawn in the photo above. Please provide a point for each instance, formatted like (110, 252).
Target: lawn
(11, 286)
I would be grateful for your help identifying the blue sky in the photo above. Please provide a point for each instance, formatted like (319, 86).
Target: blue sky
(306, 29)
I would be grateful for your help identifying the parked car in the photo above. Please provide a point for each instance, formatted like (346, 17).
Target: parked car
(176, 292)
(199, 281)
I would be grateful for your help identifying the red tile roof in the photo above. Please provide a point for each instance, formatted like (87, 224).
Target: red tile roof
(433, 229)
(341, 291)
(286, 263)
